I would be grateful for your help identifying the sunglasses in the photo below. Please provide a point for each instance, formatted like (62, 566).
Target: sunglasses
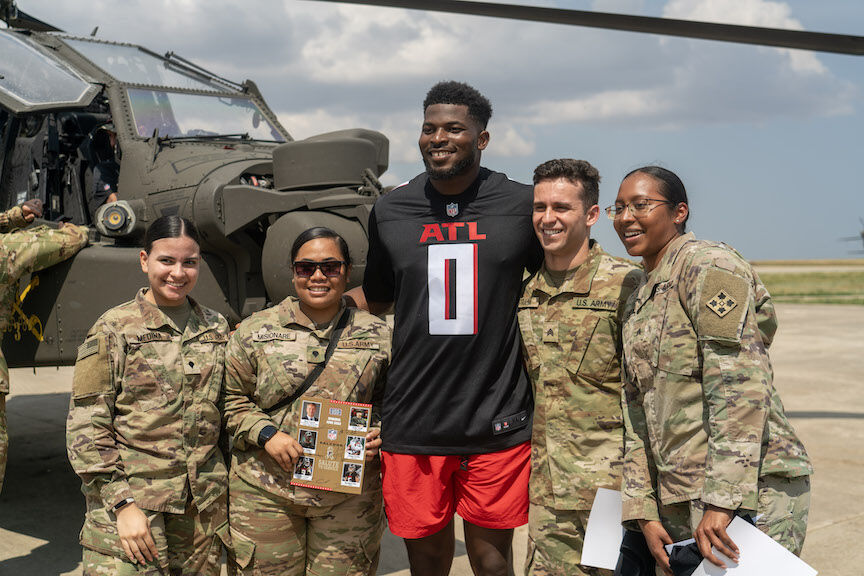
(330, 268)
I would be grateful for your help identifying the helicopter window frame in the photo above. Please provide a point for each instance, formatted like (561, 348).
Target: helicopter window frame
(143, 128)
(193, 80)
(53, 71)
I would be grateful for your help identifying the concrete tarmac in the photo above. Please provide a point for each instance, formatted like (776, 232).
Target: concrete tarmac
(818, 357)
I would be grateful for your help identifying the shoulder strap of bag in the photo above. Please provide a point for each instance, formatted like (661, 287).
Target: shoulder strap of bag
(315, 372)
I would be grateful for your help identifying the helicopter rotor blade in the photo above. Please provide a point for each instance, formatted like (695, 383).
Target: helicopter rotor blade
(802, 40)
(16, 18)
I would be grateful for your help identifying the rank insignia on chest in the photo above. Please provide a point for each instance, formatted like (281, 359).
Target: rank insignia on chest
(452, 209)
(550, 332)
(721, 304)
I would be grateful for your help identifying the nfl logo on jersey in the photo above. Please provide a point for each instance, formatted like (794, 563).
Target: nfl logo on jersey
(452, 209)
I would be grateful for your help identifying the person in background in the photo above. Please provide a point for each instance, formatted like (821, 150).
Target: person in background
(24, 251)
(106, 170)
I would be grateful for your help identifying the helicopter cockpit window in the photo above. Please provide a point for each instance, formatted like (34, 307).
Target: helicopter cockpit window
(178, 115)
(32, 78)
(131, 65)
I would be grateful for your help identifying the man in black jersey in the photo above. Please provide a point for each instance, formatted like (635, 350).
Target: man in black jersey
(448, 249)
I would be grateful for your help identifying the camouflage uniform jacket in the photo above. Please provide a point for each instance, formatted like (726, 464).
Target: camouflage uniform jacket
(268, 358)
(571, 335)
(702, 417)
(26, 251)
(144, 421)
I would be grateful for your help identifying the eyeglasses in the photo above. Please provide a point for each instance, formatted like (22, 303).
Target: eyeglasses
(306, 268)
(638, 208)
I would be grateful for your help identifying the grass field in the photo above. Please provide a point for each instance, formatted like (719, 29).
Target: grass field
(804, 283)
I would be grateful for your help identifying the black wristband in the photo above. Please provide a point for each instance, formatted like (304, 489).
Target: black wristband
(266, 434)
(121, 504)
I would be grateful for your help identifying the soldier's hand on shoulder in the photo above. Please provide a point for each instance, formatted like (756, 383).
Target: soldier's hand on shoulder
(284, 449)
(133, 527)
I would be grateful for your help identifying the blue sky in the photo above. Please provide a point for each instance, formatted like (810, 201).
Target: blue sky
(768, 142)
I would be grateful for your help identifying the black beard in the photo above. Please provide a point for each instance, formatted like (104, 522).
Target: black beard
(448, 173)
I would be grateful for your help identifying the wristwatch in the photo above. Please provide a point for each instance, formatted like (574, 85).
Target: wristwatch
(266, 434)
(116, 508)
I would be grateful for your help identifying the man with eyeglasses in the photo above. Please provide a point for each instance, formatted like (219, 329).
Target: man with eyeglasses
(570, 319)
(449, 249)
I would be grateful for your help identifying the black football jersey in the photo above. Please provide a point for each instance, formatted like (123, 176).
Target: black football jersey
(453, 266)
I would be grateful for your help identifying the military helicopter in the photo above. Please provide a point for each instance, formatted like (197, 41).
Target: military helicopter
(186, 142)
(192, 143)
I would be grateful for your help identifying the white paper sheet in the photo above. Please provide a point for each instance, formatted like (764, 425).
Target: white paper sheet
(758, 555)
(604, 533)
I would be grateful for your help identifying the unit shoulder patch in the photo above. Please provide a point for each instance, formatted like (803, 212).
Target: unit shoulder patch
(723, 305)
(92, 375)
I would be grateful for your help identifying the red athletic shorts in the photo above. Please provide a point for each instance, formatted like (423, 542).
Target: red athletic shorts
(422, 492)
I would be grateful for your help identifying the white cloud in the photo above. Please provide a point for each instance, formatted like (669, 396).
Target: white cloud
(610, 105)
(402, 131)
(510, 143)
(329, 66)
(762, 13)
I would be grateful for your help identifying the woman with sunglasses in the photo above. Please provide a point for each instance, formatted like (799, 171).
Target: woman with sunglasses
(706, 436)
(280, 528)
(143, 427)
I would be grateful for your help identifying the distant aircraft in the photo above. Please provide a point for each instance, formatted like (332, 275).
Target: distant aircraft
(856, 238)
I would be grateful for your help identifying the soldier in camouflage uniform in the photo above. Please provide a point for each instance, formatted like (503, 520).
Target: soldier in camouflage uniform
(570, 319)
(144, 424)
(706, 434)
(23, 252)
(279, 529)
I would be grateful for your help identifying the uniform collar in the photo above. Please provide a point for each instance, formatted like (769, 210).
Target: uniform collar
(577, 281)
(290, 313)
(155, 319)
(663, 271)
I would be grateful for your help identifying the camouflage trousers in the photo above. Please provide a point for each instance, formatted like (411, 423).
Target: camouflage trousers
(782, 510)
(4, 439)
(555, 539)
(189, 544)
(272, 536)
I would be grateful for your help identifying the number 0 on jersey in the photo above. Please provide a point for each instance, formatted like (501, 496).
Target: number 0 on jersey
(452, 277)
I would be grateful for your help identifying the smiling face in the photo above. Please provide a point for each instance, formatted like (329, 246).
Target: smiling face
(320, 295)
(562, 223)
(450, 141)
(647, 236)
(172, 270)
